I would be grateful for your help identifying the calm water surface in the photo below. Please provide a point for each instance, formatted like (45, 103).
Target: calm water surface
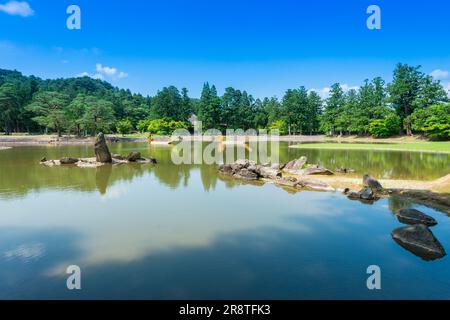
(182, 232)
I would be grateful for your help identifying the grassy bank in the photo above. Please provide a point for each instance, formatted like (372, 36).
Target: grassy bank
(439, 147)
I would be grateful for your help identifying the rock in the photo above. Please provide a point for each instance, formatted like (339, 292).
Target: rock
(226, 169)
(413, 216)
(296, 164)
(174, 140)
(134, 156)
(277, 166)
(244, 163)
(267, 172)
(370, 182)
(44, 159)
(246, 174)
(69, 160)
(102, 153)
(317, 170)
(353, 195)
(152, 161)
(419, 240)
(367, 194)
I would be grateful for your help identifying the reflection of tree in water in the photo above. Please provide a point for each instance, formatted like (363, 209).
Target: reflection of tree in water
(397, 203)
(381, 164)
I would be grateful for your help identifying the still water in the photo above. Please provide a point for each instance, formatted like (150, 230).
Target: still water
(182, 232)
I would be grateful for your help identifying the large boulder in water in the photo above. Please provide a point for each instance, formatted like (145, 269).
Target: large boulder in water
(102, 153)
(420, 241)
(413, 216)
(372, 183)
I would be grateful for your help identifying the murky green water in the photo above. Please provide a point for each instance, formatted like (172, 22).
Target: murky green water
(175, 232)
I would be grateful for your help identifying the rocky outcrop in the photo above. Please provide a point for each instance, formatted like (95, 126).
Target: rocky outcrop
(250, 171)
(413, 216)
(102, 153)
(102, 157)
(420, 241)
(365, 194)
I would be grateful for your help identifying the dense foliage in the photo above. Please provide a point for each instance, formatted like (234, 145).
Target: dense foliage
(412, 102)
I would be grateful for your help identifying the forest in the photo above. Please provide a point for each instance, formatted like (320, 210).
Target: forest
(412, 103)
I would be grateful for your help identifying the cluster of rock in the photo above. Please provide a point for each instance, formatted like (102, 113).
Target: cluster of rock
(417, 237)
(250, 171)
(102, 157)
(371, 192)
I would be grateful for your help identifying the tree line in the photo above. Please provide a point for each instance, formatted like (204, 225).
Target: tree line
(412, 103)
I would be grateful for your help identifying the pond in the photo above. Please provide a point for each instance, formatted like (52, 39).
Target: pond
(182, 232)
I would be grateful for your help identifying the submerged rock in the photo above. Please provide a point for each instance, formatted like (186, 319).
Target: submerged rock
(372, 183)
(102, 153)
(69, 160)
(420, 241)
(413, 216)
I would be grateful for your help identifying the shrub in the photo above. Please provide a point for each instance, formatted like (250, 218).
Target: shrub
(124, 126)
(388, 126)
(165, 126)
(279, 125)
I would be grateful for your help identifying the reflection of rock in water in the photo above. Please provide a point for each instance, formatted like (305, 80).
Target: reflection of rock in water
(102, 175)
(420, 241)
(397, 203)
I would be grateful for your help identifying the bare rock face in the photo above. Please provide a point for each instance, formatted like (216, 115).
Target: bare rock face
(102, 153)
(420, 241)
(69, 160)
(372, 183)
(413, 216)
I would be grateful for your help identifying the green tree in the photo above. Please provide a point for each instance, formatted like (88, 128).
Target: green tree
(210, 112)
(75, 112)
(99, 115)
(9, 105)
(168, 103)
(333, 106)
(386, 127)
(49, 108)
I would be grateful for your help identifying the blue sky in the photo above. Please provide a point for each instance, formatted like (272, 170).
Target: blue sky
(264, 47)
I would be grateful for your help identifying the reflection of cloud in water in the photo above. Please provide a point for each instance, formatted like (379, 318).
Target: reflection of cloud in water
(115, 192)
(26, 252)
(150, 218)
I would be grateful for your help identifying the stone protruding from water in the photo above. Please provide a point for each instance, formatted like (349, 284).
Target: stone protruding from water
(413, 216)
(102, 153)
(419, 240)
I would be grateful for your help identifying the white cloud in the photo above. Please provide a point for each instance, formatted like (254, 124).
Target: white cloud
(324, 93)
(16, 8)
(447, 87)
(103, 72)
(439, 74)
(106, 70)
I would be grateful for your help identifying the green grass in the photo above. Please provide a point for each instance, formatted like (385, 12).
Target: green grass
(439, 147)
